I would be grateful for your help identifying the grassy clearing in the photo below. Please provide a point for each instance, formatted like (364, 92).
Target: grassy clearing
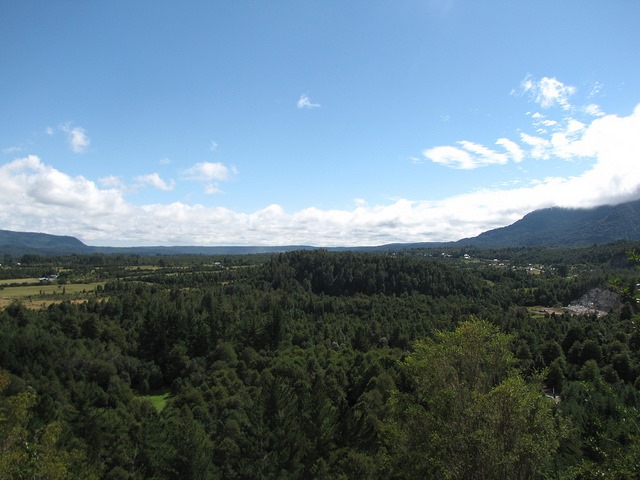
(159, 401)
(19, 281)
(40, 296)
(540, 311)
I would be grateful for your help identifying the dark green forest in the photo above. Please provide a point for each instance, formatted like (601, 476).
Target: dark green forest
(328, 365)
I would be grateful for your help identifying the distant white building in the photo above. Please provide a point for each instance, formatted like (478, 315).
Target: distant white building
(50, 278)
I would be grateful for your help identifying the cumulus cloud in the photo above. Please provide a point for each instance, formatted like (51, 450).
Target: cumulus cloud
(305, 102)
(36, 194)
(211, 173)
(155, 181)
(37, 197)
(78, 139)
(548, 92)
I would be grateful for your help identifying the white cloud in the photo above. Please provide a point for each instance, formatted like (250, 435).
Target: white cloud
(112, 182)
(49, 131)
(466, 155)
(471, 155)
(78, 139)
(527, 84)
(574, 126)
(484, 155)
(450, 156)
(596, 89)
(305, 102)
(211, 173)
(593, 110)
(35, 192)
(154, 180)
(548, 92)
(213, 146)
(37, 197)
(512, 148)
(205, 171)
(540, 146)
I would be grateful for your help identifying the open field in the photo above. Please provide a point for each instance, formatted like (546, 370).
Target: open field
(40, 296)
(19, 281)
(143, 268)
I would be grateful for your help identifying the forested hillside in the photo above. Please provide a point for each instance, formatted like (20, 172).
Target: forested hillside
(316, 364)
(19, 243)
(566, 226)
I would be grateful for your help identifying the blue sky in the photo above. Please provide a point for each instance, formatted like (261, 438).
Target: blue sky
(323, 123)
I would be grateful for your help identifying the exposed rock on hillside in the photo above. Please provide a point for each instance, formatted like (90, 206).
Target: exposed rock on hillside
(597, 300)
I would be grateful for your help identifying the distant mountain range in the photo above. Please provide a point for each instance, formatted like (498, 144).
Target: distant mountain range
(546, 227)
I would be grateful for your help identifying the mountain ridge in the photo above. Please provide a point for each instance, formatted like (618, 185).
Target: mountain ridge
(556, 226)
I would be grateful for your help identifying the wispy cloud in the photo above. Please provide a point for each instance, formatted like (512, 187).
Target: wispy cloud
(593, 110)
(12, 149)
(451, 156)
(305, 102)
(155, 181)
(212, 189)
(467, 156)
(548, 137)
(512, 148)
(78, 139)
(540, 147)
(596, 89)
(548, 92)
